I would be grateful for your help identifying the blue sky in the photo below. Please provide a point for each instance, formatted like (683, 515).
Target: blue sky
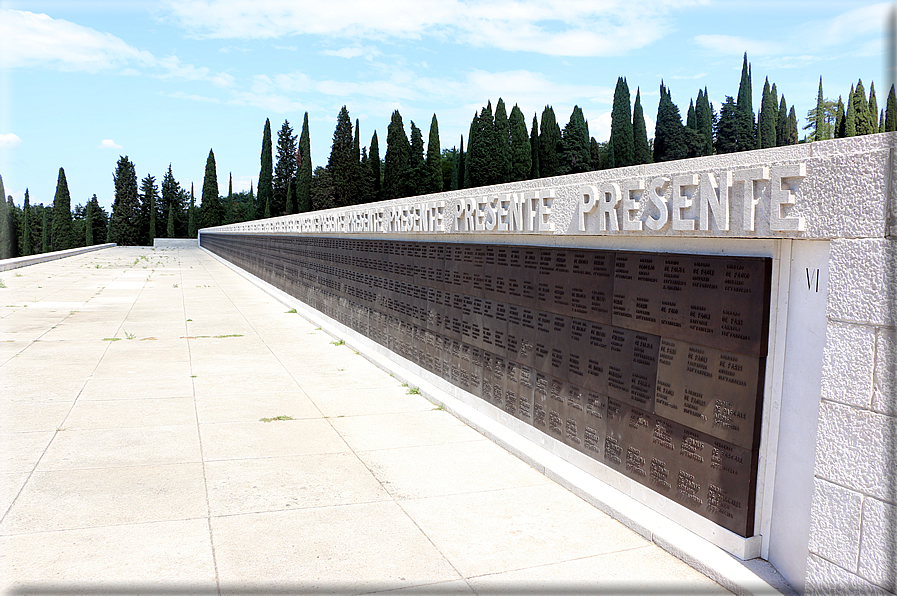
(85, 81)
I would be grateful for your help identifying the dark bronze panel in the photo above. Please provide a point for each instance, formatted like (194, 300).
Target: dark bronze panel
(649, 362)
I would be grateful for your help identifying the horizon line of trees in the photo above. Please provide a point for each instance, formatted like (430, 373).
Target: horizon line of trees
(500, 148)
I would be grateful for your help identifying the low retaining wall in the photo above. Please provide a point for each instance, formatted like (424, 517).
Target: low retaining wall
(807, 229)
(7, 264)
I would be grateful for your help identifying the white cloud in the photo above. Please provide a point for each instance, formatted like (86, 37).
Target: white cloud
(366, 52)
(554, 27)
(737, 46)
(29, 39)
(109, 144)
(9, 140)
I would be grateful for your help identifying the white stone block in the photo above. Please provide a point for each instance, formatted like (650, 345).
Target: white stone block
(862, 281)
(826, 579)
(878, 551)
(835, 524)
(855, 448)
(848, 363)
(884, 381)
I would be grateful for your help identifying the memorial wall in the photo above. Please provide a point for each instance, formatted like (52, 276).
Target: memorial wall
(675, 335)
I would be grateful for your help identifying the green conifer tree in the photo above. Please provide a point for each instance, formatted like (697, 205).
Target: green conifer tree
(395, 162)
(434, 157)
(641, 151)
(416, 180)
(502, 138)
(304, 173)
(173, 205)
(863, 124)
(820, 130)
(891, 111)
(266, 174)
(170, 229)
(7, 240)
(791, 130)
(575, 156)
(521, 151)
(704, 116)
(284, 168)
(621, 126)
(192, 230)
(781, 123)
(229, 202)
(27, 249)
(148, 194)
(291, 200)
(549, 144)
(124, 228)
(767, 124)
(746, 139)
(669, 133)
(727, 128)
(88, 224)
(535, 171)
(210, 209)
(462, 164)
(62, 215)
(45, 230)
(594, 154)
(374, 161)
(691, 120)
(873, 108)
(840, 120)
(850, 118)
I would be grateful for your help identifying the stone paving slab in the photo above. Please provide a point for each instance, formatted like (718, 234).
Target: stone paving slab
(135, 459)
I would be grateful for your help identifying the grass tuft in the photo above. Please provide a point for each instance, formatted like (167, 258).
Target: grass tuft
(276, 418)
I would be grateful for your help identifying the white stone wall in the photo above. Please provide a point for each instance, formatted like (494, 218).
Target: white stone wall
(853, 533)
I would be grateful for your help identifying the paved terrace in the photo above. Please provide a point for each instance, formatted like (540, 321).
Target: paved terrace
(135, 458)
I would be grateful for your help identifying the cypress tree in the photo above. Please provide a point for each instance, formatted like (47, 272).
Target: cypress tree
(791, 131)
(148, 190)
(549, 143)
(820, 129)
(191, 215)
(374, 159)
(864, 122)
(840, 119)
(621, 126)
(704, 118)
(767, 125)
(416, 177)
(594, 154)
(483, 154)
(250, 205)
(609, 162)
(575, 156)
(266, 174)
(453, 185)
(850, 118)
(891, 111)
(727, 129)
(62, 215)
(45, 230)
(291, 189)
(434, 157)
(169, 229)
(503, 142)
(669, 134)
(535, 171)
(641, 151)
(690, 118)
(173, 204)
(521, 151)
(285, 168)
(746, 137)
(873, 108)
(304, 174)
(26, 224)
(781, 124)
(396, 158)
(124, 228)
(229, 203)
(342, 164)
(210, 209)
(7, 240)
(462, 165)
(471, 170)
(88, 224)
